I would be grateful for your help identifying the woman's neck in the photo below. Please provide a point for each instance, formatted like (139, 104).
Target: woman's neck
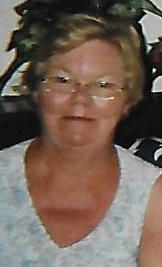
(77, 166)
(71, 184)
(81, 158)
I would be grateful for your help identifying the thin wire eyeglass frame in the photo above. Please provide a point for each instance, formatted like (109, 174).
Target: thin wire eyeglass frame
(96, 89)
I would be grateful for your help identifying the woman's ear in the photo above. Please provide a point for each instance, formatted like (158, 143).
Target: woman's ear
(36, 96)
(126, 109)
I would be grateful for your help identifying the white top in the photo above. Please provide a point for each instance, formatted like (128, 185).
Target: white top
(24, 241)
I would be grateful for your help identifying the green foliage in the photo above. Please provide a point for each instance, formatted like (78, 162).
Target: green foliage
(38, 15)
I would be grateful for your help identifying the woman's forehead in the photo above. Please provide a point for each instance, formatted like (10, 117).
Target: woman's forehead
(89, 62)
(94, 52)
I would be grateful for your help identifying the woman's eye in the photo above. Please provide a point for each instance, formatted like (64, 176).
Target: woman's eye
(62, 79)
(105, 84)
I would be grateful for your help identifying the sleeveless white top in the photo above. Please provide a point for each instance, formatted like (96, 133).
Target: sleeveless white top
(24, 241)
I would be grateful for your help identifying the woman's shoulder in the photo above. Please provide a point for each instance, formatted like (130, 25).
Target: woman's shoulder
(136, 168)
(151, 245)
(19, 147)
(12, 168)
(128, 156)
(13, 156)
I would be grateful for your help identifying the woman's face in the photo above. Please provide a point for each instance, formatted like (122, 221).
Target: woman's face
(74, 112)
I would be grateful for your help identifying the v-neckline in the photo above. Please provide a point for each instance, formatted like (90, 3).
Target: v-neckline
(45, 235)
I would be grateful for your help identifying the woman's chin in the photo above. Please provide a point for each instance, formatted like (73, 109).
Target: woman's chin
(77, 141)
(78, 131)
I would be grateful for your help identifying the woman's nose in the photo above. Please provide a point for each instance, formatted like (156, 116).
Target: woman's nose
(80, 94)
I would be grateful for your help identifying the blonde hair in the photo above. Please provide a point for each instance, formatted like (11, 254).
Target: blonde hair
(71, 31)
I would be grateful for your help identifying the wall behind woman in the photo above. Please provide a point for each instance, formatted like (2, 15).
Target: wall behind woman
(152, 27)
(8, 23)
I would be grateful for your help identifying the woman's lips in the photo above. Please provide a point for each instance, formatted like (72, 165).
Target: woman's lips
(78, 118)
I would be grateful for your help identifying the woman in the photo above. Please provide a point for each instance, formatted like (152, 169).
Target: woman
(71, 197)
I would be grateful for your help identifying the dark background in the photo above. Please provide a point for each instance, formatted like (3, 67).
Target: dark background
(19, 120)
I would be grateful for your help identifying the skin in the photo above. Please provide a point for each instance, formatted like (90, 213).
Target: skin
(73, 169)
(151, 242)
(84, 64)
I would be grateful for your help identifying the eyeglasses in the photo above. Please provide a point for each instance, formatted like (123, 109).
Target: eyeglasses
(66, 86)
